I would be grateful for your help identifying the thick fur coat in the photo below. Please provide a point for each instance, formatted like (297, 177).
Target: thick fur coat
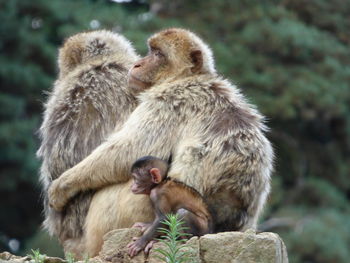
(215, 138)
(89, 100)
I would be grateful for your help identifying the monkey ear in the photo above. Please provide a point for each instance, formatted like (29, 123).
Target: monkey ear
(156, 175)
(70, 55)
(197, 60)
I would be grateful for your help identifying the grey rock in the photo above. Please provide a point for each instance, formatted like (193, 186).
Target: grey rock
(114, 247)
(232, 247)
(54, 260)
(227, 247)
(8, 257)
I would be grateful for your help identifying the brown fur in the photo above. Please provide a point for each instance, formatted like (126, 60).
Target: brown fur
(179, 116)
(178, 193)
(168, 196)
(89, 100)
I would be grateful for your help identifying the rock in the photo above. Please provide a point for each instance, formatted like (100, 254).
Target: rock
(243, 247)
(193, 247)
(54, 260)
(226, 247)
(8, 257)
(153, 255)
(114, 247)
(222, 247)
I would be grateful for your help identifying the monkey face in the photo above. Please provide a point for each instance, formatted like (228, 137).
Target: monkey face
(146, 71)
(173, 54)
(142, 183)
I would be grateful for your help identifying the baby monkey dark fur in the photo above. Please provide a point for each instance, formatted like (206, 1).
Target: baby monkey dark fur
(168, 196)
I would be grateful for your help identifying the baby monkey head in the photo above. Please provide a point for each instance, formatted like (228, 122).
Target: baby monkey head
(147, 172)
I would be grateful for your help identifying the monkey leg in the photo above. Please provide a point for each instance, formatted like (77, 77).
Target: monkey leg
(195, 225)
(111, 208)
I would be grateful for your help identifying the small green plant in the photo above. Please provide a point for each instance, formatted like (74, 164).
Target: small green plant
(36, 256)
(70, 258)
(173, 239)
(86, 259)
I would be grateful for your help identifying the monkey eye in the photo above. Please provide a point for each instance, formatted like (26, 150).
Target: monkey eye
(159, 53)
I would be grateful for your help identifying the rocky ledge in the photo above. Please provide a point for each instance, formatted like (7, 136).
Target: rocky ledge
(227, 247)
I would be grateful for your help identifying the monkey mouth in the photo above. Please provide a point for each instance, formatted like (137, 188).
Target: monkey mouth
(133, 80)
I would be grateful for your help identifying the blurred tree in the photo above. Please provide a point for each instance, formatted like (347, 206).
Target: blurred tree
(291, 58)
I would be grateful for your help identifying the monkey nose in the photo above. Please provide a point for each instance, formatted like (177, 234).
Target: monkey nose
(137, 65)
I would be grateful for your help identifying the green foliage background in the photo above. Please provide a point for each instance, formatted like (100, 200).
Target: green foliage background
(290, 57)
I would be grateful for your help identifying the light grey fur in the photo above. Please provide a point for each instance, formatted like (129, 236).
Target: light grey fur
(216, 140)
(89, 100)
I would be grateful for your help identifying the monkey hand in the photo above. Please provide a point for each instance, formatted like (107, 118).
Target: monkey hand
(60, 192)
(136, 246)
(149, 246)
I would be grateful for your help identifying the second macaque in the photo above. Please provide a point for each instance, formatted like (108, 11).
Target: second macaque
(167, 196)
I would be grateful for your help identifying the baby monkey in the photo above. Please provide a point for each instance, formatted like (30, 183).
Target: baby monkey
(168, 196)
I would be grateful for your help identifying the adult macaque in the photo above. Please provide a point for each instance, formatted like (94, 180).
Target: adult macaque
(216, 139)
(168, 196)
(89, 100)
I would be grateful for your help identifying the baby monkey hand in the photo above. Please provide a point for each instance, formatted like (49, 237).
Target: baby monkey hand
(138, 244)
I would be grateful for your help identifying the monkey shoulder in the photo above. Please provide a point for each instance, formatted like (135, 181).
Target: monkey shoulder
(206, 88)
(181, 185)
(159, 192)
(216, 104)
(171, 187)
(161, 189)
(180, 189)
(193, 93)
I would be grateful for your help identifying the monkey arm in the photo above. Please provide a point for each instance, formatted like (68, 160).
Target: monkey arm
(140, 243)
(151, 232)
(110, 162)
(161, 207)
